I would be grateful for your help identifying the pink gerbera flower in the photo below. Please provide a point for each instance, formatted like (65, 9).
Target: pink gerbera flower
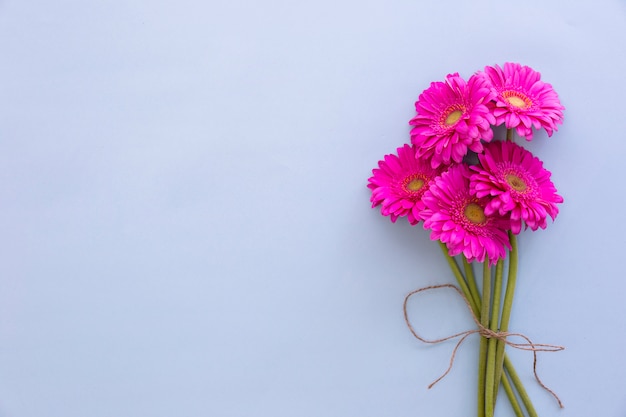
(518, 184)
(459, 219)
(523, 100)
(452, 117)
(399, 184)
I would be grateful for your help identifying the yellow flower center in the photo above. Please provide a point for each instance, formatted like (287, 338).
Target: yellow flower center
(517, 99)
(516, 182)
(453, 117)
(474, 213)
(415, 184)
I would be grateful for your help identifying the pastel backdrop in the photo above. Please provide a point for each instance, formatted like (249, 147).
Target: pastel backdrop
(186, 229)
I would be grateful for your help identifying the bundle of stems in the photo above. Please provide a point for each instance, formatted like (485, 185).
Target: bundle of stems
(494, 366)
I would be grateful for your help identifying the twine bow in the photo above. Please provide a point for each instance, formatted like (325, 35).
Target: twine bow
(484, 332)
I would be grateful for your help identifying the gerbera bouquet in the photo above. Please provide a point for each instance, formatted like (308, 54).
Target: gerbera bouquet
(476, 193)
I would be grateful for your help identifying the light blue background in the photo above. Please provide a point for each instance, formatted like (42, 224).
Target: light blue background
(185, 226)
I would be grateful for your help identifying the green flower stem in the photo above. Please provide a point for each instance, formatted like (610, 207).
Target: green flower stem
(469, 274)
(506, 307)
(506, 384)
(484, 348)
(517, 382)
(492, 343)
(459, 277)
(509, 135)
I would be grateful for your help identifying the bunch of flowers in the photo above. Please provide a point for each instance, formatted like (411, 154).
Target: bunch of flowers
(476, 210)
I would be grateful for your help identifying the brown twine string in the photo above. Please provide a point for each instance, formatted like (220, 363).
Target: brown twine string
(484, 332)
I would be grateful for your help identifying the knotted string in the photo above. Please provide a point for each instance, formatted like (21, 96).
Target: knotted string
(484, 332)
